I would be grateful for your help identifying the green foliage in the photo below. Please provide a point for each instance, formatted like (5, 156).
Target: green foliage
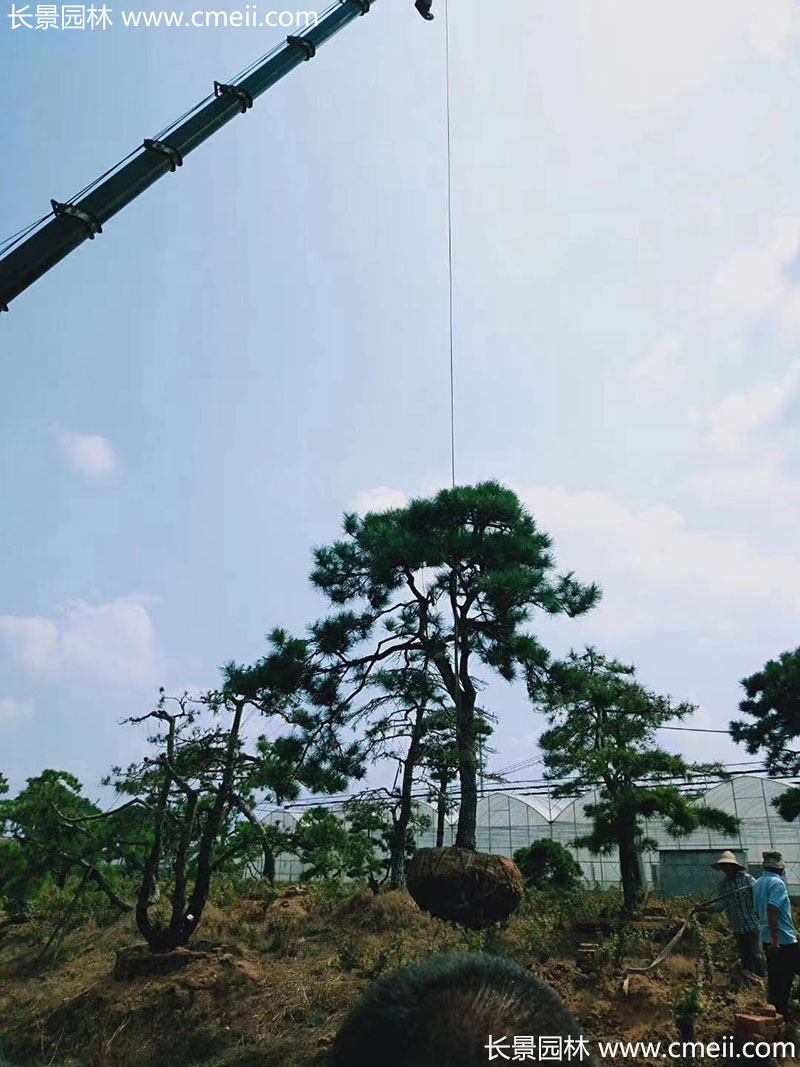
(224, 890)
(688, 1005)
(474, 940)
(772, 701)
(356, 846)
(329, 896)
(195, 791)
(602, 732)
(391, 957)
(547, 864)
(351, 956)
(331, 851)
(53, 905)
(608, 952)
(488, 568)
(49, 839)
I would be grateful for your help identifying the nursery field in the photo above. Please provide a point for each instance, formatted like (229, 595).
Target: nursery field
(272, 975)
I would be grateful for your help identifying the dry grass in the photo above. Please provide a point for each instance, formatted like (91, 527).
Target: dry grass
(289, 970)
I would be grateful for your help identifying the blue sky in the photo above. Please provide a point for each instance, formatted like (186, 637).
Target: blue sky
(188, 403)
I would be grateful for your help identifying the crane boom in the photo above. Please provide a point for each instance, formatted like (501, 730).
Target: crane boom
(78, 221)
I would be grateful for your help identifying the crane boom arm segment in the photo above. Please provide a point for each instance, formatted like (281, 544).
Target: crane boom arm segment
(77, 222)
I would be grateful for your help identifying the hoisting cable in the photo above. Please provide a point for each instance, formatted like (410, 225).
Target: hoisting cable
(450, 246)
(454, 576)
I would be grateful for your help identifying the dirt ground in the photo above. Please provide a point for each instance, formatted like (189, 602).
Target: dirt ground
(275, 978)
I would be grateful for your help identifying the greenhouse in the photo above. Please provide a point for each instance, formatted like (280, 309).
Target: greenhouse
(507, 822)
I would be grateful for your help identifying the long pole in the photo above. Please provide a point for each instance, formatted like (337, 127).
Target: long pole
(78, 221)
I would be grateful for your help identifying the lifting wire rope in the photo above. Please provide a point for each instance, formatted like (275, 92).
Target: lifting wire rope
(450, 245)
(454, 577)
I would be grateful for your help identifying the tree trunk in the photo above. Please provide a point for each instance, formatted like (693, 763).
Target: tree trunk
(211, 830)
(147, 928)
(399, 839)
(268, 870)
(629, 867)
(397, 851)
(467, 772)
(441, 811)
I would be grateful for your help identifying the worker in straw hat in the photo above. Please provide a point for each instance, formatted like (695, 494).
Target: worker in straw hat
(736, 897)
(777, 931)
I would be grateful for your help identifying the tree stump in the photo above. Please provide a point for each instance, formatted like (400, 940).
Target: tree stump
(470, 888)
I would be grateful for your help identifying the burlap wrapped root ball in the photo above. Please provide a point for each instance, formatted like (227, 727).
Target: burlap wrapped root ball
(470, 888)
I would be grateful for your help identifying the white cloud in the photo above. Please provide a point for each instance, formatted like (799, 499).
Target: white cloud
(89, 454)
(759, 284)
(661, 370)
(735, 422)
(34, 640)
(11, 713)
(113, 642)
(748, 448)
(746, 486)
(380, 499)
(656, 571)
(775, 26)
(640, 56)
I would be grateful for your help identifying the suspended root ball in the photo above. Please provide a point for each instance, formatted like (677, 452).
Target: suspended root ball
(471, 888)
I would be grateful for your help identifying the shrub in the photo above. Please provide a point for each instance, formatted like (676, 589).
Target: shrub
(547, 864)
(53, 905)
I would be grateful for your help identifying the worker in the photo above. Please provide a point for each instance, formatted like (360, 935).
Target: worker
(424, 8)
(778, 932)
(458, 1010)
(736, 897)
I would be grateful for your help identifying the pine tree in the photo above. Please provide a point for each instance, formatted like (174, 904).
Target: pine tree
(772, 700)
(602, 733)
(454, 579)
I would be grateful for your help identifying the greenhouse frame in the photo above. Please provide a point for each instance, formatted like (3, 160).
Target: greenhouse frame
(508, 821)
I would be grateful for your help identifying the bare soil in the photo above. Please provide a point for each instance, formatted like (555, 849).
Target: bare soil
(274, 979)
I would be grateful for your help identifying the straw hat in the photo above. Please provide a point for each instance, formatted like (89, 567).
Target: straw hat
(727, 859)
(773, 861)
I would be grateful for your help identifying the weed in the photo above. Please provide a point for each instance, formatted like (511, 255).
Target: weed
(282, 939)
(474, 940)
(351, 957)
(391, 957)
(606, 955)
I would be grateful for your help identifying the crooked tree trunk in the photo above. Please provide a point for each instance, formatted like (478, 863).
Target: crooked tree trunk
(147, 928)
(184, 919)
(211, 830)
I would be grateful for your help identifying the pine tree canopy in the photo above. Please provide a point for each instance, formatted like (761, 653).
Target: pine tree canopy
(603, 733)
(772, 700)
